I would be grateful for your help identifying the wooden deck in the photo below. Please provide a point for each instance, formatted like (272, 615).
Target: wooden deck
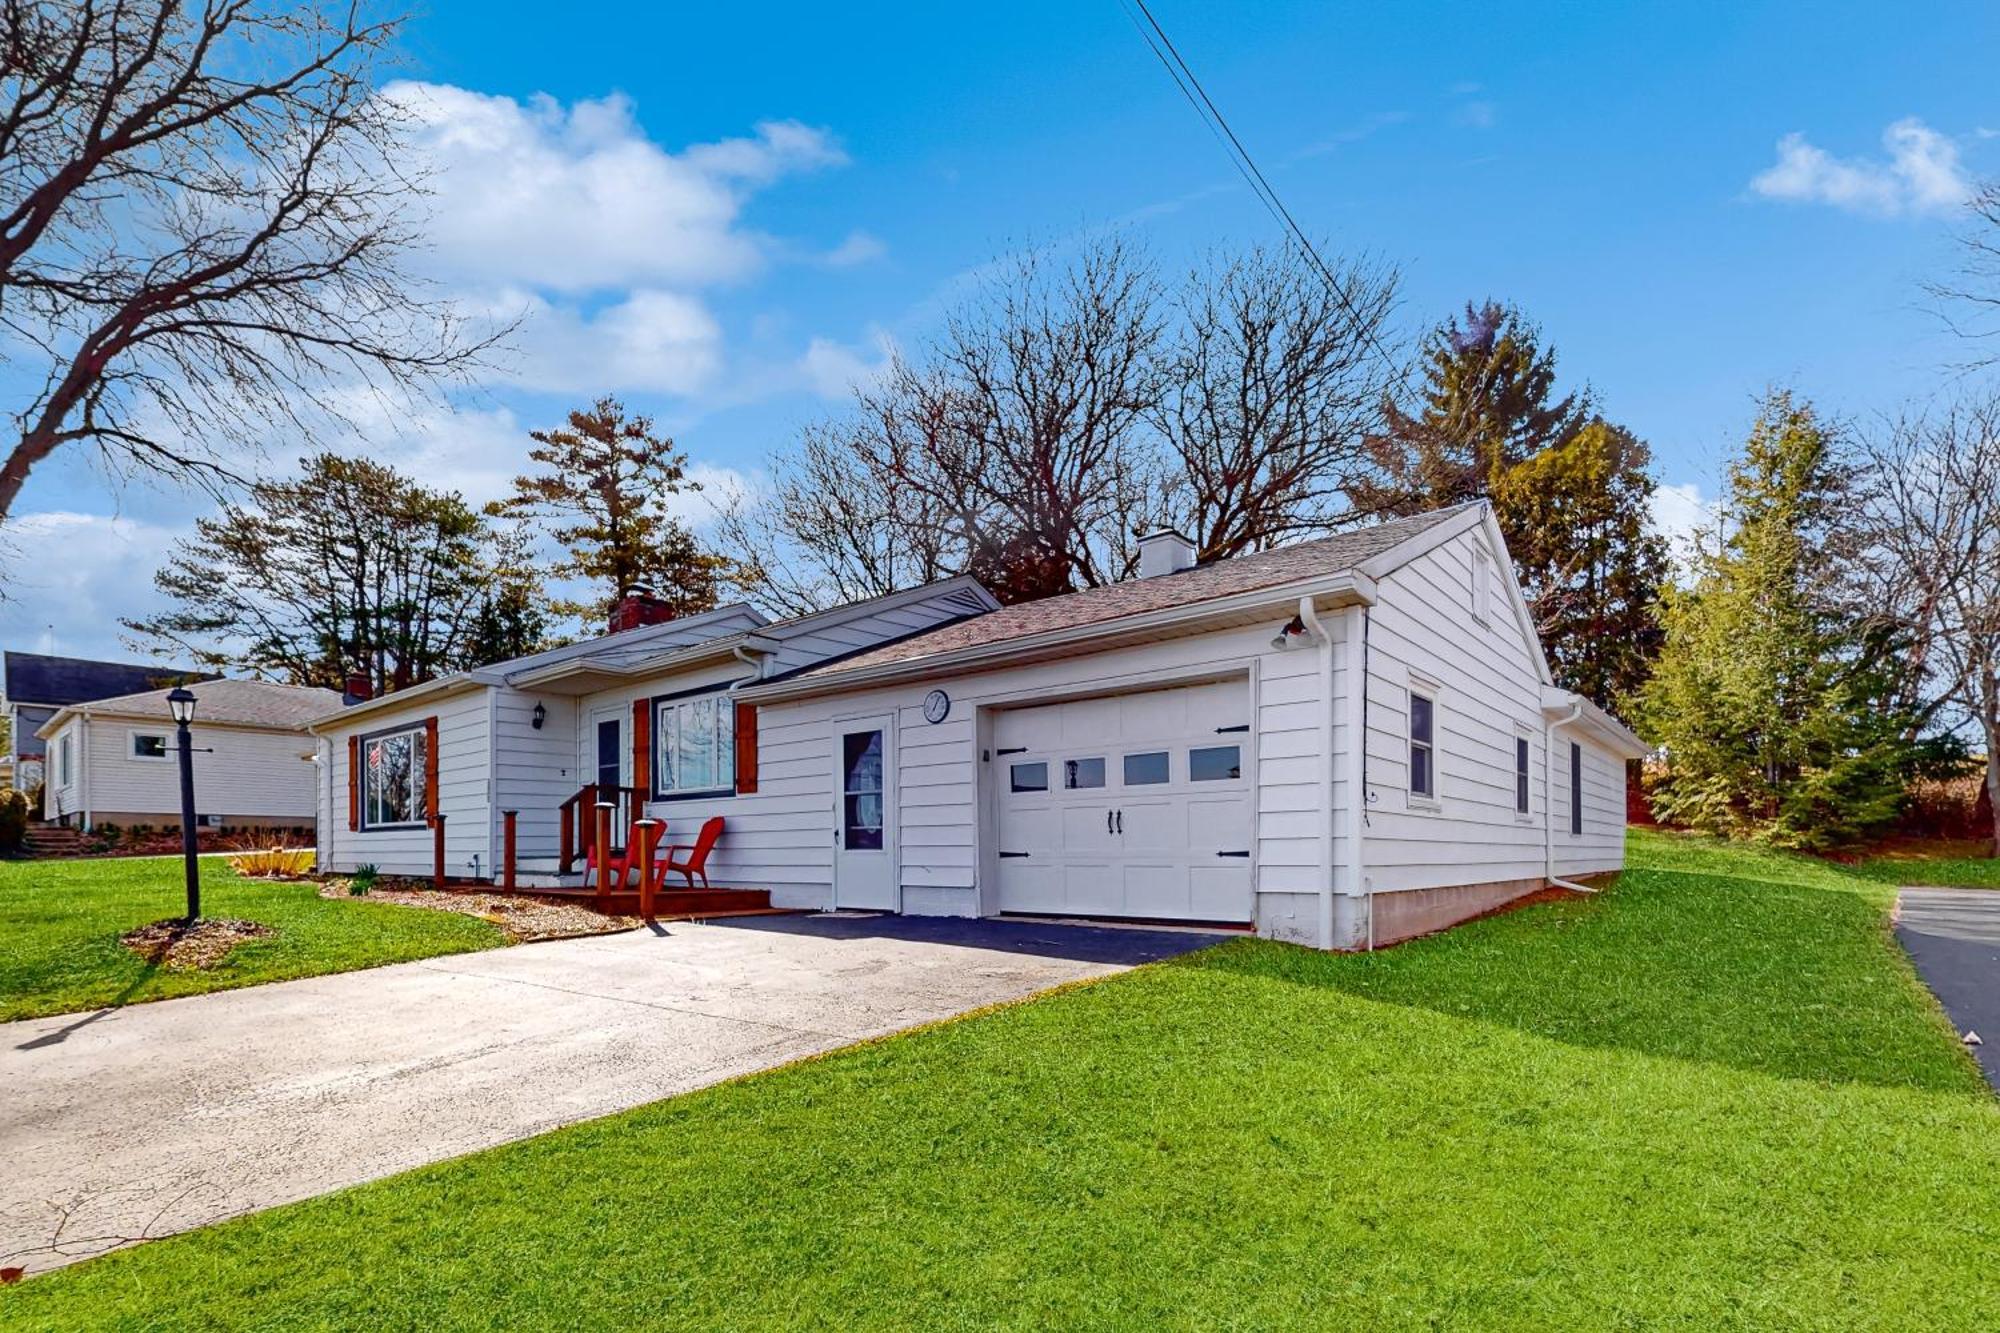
(678, 904)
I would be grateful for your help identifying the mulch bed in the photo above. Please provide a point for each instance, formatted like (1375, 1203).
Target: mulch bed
(524, 916)
(179, 947)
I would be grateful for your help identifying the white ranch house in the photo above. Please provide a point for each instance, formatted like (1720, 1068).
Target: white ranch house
(1341, 742)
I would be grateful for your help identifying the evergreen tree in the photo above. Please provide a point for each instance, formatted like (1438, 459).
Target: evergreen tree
(1576, 519)
(1775, 708)
(1487, 403)
(604, 487)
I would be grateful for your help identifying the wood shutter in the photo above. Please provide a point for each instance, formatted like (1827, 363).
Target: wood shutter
(746, 748)
(431, 769)
(354, 783)
(642, 747)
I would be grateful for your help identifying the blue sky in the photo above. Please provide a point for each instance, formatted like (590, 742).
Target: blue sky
(725, 214)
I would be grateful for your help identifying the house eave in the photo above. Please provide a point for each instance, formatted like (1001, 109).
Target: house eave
(1600, 725)
(1347, 588)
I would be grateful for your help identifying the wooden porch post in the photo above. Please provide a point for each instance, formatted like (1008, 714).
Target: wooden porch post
(507, 849)
(649, 838)
(602, 834)
(590, 830)
(437, 850)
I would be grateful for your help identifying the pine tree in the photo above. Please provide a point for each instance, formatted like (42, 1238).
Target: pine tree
(1774, 707)
(1487, 403)
(604, 489)
(1576, 519)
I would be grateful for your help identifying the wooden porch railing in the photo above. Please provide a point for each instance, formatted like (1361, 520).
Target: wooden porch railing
(576, 820)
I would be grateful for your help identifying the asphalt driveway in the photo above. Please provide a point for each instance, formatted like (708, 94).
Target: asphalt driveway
(134, 1123)
(1953, 936)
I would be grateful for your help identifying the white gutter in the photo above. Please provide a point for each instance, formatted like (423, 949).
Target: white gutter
(1549, 728)
(1310, 619)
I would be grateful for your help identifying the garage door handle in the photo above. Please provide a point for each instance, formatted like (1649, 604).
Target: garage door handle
(1245, 853)
(1121, 823)
(1007, 855)
(1107, 821)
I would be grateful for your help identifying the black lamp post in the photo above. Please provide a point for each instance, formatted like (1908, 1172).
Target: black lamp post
(181, 704)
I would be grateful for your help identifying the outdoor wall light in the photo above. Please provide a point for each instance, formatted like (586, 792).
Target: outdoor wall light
(1293, 627)
(539, 716)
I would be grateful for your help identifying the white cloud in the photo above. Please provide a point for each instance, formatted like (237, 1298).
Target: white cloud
(580, 200)
(836, 370)
(1679, 514)
(653, 340)
(1478, 115)
(1921, 175)
(858, 248)
(71, 575)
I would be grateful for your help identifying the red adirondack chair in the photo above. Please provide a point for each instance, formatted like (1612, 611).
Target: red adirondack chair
(624, 867)
(695, 861)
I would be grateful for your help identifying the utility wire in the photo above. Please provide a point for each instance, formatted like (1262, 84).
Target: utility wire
(1162, 46)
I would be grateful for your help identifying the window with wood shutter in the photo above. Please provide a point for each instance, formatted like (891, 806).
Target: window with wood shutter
(398, 770)
(694, 745)
(746, 747)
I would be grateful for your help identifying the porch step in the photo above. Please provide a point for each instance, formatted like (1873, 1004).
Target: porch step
(53, 840)
(695, 903)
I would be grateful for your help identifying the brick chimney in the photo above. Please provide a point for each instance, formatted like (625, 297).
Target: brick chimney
(639, 607)
(357, 689)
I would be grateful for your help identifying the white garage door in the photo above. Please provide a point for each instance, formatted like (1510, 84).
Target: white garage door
(1137, 805)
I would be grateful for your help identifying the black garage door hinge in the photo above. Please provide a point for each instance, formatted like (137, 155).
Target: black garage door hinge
(1232, 853)
(1005, 855)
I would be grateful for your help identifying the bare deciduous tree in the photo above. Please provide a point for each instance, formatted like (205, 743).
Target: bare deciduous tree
(1933, 535)
(1275, 385)
(204, 214)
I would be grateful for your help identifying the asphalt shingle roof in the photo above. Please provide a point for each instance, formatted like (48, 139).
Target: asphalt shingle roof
(1223, 578)
(37, 678)
(248, 703)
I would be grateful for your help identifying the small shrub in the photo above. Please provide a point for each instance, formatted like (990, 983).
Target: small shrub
(363, 879)
(289, 862)
(13, 820)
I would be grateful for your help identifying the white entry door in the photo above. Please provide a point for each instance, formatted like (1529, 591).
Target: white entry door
(1135, 805)
(864, 854)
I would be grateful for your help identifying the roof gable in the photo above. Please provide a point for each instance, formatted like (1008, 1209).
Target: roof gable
(238, 703)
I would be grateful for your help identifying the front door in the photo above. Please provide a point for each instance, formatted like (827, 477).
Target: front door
(864, 860)
(607, 766)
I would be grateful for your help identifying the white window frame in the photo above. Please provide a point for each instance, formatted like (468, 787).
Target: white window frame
(166, 755)
(64, 754)
(1576, 811)
(1482, 584)
(673, 714)
(418, 735)
(1419, 687)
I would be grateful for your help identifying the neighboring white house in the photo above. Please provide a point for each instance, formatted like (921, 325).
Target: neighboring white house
(1180, 746)
(113, 761)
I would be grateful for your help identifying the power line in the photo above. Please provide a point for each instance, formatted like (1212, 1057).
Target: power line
(1162, 46)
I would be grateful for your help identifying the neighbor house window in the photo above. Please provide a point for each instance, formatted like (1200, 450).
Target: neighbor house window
(392, 783)
(1521, 775)
(149, 745)
(1575, 788)
(62, 760)
(694, 746)
(1423, 758)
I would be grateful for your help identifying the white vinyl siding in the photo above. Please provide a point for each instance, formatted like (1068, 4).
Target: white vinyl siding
(1470, 831)
(464, 792)
(243, 776)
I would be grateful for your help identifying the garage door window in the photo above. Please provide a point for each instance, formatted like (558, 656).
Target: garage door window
(1146, 770)
(1081, 773)
(1215, 763)
(1028, 777)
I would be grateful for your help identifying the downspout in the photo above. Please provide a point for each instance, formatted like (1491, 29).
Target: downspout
(1548, 801)
(1310, 619)
(756, 665)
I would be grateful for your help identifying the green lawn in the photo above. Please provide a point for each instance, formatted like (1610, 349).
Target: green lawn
(1711, 1098)
(60, 922)
(1970, 872)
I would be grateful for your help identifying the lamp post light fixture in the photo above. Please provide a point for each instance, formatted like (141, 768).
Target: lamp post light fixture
(180, 703)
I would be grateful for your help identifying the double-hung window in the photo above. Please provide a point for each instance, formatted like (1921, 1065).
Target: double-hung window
(1575, 789)
(694, 745)
(1423, 754)
(393, 767)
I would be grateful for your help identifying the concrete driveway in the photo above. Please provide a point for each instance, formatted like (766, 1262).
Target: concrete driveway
(130, 1124)
(1953, 937)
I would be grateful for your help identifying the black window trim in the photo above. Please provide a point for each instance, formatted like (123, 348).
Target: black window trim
(1575, 789)
(1523, 765)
